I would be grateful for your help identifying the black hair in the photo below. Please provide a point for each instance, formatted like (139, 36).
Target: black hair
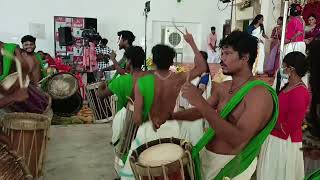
(312, 15)
(213, 28)
(313, 58)
(104, 41)
(280, 18)
(28, 38)
(127, 35)
(163, 56)
(205, 57)
(243, 43)
(136, 55)
(295, 9)
(256, 20)
(298, 61)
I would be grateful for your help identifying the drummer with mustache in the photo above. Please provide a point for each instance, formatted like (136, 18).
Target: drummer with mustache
(241, 113)
(155, 97)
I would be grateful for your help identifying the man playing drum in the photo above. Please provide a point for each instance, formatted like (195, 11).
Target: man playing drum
(122, 87)
(39, 71)
(155, 97)
(19, 99)
(241, 112)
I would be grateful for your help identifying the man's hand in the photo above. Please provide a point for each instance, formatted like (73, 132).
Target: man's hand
(102, 90)
(188, 37)
(20, 95)
(113, 56)
(191, 93)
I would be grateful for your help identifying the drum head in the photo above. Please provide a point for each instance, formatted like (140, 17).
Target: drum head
(62, 85)
(8, 82)
(160, 154)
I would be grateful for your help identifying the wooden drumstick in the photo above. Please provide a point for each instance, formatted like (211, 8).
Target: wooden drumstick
(174, 24)
(119, 39)
(188, 77)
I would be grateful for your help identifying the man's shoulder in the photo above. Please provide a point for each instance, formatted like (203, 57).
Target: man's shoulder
(259, 94)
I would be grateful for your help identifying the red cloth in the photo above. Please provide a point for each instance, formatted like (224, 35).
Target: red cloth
(311, 8)
(295, 25)
(90, 58)
(51, 62)
(293, 106)
(62, 67)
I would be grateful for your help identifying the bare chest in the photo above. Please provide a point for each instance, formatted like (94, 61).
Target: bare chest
(235, 115)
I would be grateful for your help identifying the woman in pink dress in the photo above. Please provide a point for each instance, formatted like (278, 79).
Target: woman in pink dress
(280, 157)
(294, 39)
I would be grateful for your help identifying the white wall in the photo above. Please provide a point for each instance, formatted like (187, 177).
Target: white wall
(112, 15)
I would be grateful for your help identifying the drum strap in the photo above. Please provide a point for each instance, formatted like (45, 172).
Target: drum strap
(243, 160)
(42, 64)
(146, 88)
(7, 61)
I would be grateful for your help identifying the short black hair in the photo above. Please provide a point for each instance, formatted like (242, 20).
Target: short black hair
(312, 15)
(28, 38)
(213, 28)
(163, 56)
(204, 55)
(136, 55)
(104, 41)
(243, 43)
(127, 35)
(298, 61)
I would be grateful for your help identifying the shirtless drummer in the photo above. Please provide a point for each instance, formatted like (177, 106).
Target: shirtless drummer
(155, 97)
(252, 118)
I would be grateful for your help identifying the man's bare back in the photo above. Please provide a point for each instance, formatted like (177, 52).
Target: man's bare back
(240, 113)
(167, 84)
(165, 96)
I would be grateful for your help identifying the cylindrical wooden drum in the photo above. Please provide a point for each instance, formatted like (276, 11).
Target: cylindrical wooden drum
(64, 91)
(28, 134)
(163, 159)
(12, 167)
(128, 133)
(101, 107)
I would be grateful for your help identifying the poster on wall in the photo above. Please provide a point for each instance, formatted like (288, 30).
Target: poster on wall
(72, 54)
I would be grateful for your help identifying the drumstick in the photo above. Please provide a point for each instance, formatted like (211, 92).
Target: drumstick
(119, 39)
(44, 79)
(18, 66)
(188, 77)
(174, 24)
